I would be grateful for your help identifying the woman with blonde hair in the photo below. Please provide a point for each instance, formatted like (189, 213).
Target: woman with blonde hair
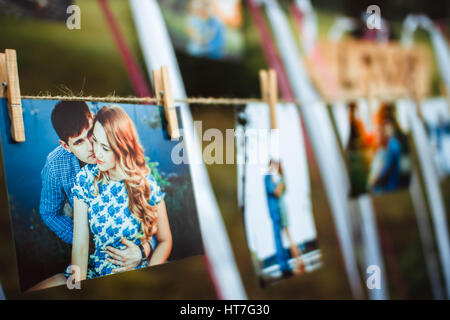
(117, 198)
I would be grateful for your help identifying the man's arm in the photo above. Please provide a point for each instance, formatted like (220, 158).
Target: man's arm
(272, 188)
(52, 204)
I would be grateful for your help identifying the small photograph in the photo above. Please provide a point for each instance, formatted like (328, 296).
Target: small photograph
(39, 9)
(93, 191)
(436, 115)
(378, 152)
(274, 194)
(205, 28)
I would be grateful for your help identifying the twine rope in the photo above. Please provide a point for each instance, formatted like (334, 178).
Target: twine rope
(211, 100)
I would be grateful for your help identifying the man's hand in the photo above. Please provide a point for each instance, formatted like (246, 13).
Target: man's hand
(127, 259)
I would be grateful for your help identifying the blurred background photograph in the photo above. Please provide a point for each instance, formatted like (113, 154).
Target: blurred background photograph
(41, 190)
(41, 9)
(205, 28)
(363, 91)
(437, 120)
(378, 152)
(276, 203)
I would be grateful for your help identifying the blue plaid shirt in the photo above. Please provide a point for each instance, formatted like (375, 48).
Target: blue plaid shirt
(58, 177)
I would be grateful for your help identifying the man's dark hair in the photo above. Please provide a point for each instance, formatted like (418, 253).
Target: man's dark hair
(70, 118)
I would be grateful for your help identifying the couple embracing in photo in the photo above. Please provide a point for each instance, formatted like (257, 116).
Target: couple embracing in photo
(99, 171)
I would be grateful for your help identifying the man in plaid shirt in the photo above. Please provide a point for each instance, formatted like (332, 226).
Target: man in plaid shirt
(72, 121)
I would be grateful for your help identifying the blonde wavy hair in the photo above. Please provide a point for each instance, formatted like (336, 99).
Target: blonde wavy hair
(129, 155)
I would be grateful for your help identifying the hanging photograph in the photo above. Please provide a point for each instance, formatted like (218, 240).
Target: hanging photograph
(274, 193)
(205, 28)
(94, 191)
(39, 9)
(436, 115)
(377, 150)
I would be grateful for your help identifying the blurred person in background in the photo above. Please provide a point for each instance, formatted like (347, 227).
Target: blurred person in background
(391, 165)
(205, 30)
(357, 153)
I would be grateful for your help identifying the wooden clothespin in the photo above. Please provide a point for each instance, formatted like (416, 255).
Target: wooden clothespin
(269, 92)
(163, 93)
(10, 89)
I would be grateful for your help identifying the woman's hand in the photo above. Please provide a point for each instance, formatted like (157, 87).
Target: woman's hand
(127, 259)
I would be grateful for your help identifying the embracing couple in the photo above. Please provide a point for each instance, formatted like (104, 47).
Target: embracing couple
(275, 185)
(99, 171)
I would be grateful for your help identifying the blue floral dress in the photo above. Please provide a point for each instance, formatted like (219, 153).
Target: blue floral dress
(109, 216)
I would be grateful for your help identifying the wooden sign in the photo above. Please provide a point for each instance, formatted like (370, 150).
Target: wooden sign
(353, 68)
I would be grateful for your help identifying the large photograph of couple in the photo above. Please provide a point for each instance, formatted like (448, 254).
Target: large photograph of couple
(93, 191)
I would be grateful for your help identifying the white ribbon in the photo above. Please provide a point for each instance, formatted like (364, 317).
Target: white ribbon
(323, 139)
(433, 191)
(158, 51)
